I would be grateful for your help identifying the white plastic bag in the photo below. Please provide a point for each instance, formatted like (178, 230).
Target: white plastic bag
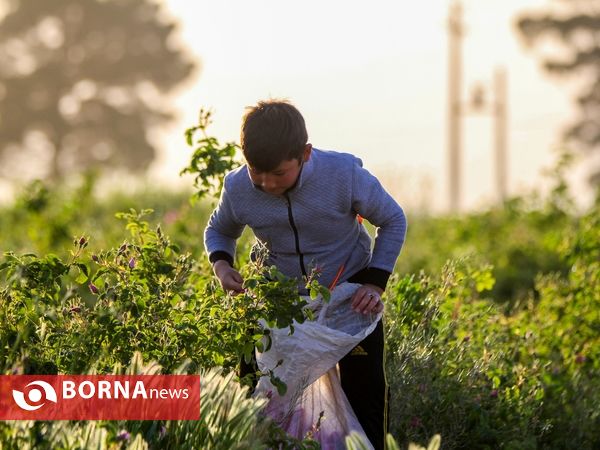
(314, 402)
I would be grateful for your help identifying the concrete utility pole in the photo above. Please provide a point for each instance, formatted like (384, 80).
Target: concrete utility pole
(500, 126)
(455, 30)
(477, 104)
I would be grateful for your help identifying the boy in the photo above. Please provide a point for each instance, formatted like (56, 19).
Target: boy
(304, 206)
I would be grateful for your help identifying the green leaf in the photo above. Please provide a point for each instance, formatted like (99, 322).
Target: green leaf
(188, 136)
(81, 278)
(83, 273)
(84, 268)
(496, 382)
(280, 385)
(99, 273)
(141, 304)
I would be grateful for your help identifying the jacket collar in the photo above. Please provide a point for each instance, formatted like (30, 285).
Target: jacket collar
(305, 174)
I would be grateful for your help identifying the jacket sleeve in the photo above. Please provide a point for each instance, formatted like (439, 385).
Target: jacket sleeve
(372, 202)
(223, 230)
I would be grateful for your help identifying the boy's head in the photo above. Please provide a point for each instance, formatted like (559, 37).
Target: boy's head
(273, 132)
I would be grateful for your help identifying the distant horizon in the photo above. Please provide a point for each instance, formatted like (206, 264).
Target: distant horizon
(371, 80)
(380, 93)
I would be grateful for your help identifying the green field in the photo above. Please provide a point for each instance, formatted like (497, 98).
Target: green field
(492, 320)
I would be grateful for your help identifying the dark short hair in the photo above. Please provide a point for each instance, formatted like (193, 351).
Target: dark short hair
(273, 131)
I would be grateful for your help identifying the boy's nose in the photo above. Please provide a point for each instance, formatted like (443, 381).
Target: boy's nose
(267, 183)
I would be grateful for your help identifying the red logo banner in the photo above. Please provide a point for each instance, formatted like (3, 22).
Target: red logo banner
(99, 397)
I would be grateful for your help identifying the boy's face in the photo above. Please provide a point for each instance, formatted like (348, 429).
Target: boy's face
(283, 177)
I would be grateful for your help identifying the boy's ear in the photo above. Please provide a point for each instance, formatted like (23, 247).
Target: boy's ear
(307, 152)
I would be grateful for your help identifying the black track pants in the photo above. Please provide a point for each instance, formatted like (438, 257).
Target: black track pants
(363, 380)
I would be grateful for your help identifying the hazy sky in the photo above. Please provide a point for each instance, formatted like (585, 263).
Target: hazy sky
(370, 78)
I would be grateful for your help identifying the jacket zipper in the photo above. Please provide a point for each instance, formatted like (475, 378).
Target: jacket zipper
(295, 230)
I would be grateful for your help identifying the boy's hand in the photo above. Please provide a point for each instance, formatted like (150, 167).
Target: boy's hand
(230, 279)
(367, 299)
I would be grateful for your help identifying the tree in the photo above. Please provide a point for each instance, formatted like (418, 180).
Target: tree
(575, 25)
(82, 82)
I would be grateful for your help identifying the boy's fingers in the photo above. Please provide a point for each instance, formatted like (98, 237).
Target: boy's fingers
(363, 303)
(369, 302)
(238, 278)
(378, 307)
(355, 300)
(231, 283)
(235, 286)
(359, 296)
(235, 291)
